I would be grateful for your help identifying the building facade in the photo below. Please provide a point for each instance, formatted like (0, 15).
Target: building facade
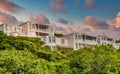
(73, 41)
(11, 29)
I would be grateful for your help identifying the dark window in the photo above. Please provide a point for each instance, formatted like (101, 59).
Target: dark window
(49, 39)
(1, 27)
(15, 28)
(76, 45)
(44, 39)
(22, 30)
(63, 41)
(6, 27)
(76, 37)
(53, 39)
(79, 37)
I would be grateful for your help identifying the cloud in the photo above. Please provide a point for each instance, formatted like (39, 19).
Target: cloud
(9, 6)
(58, 6)
(71, 28)
(94, 27)
(63, 21)
(108, 27)
(39, 18)
(60, 29)
(118, 20)
(90, 4)
(95, 24)
(9, 19)
(78, 29)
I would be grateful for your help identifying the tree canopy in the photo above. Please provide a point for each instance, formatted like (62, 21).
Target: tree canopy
(27, 55)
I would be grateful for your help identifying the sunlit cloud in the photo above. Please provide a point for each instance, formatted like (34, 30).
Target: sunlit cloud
(9, 19)
(118, 20)
(39, 18)
(63, 21)
(95, 24)
(90, 4)
(58, 6)
(9, 6)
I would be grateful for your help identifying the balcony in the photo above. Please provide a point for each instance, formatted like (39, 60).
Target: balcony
(90, 42)
(107, 42)
(42, 30)
(84, 41)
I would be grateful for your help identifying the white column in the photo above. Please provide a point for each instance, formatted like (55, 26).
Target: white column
(85, 38)
(36, 27)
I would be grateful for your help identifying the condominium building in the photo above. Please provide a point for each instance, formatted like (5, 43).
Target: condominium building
(11, 29)
(76, 41)
(46, 33)
(31, 29)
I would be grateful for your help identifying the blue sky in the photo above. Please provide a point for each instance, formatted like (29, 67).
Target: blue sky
(78, 15)
(104, 10)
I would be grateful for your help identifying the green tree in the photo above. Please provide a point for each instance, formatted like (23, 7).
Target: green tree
(80, 61)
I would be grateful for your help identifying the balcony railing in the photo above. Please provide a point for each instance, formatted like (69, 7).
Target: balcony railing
(42, 30)
(108, 42)
(86, 41)
(90, 41)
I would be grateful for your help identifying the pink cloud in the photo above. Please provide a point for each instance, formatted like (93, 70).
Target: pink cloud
(93, 27)
(9, 19)
(60, 29)
(58, 6)
(71, 29)
(118, 20)
(95, 24)
(108, 28)
(9, 6)
(63, 21)
(90, 4)
(39, 18)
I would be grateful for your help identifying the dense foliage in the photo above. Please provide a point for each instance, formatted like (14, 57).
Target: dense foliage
(118, 41)
(25, 55)
(58, 35)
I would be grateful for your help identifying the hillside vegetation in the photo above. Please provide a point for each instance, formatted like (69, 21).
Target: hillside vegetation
(25, 55)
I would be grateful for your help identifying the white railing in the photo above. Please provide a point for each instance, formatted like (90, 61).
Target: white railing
(108, 42)
(90, 42)
(86, 41)
(42, 30)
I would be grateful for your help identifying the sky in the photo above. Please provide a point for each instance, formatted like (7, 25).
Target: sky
(93, 17)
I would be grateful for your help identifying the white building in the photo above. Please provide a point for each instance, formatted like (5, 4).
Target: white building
(11, 29)
(76, 41)
(46, 33)
(31, 29)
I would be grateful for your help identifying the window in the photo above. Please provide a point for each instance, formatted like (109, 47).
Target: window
(62, 41)
(53, 39)
(79, 45)
(51, 30)
(33, 26)
(76, 37)
(22, 30)
(15, 28)
(79, 37)
(6, 27)
(49, 39)
(104, 38)
(44, 39)
(76, 45)
(1, 27)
